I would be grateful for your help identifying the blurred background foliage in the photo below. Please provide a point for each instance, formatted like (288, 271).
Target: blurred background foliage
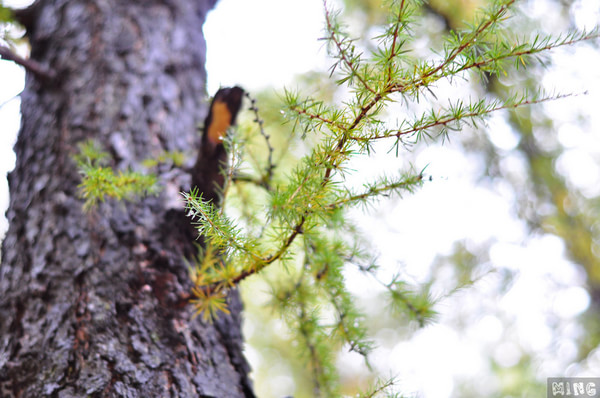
(527, 163)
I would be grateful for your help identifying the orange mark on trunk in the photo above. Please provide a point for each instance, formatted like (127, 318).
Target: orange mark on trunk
(221, 120)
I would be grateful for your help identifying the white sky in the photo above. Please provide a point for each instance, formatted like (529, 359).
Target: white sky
(257, 44)
(11, 83)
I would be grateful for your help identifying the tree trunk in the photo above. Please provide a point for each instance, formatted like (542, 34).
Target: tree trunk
(90, 303)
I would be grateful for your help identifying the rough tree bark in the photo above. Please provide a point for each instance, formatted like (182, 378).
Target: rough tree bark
(90, 302)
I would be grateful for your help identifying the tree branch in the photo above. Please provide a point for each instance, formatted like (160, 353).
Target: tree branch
(32, 66)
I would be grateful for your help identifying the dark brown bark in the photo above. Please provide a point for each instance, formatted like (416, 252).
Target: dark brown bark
(90, 302)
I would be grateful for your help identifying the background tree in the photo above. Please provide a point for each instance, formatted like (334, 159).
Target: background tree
(90, 303)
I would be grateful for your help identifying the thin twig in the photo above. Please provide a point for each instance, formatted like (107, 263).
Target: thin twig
(303, 111)
(393, 48)
(32, 66)
(9, 100)
(342, 51)
(266, 179)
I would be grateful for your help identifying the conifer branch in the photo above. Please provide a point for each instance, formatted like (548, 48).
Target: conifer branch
(331, 159)
(501, 51)
(307, 324)
(393, 48)
(345, 51)
(310, 204)
(492, 18)
(380, 387)
(316, 116)
(211, 223)
(377, 190)
(458, 112)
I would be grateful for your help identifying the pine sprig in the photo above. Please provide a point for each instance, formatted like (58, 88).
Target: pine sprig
(376, 190)
(343, 50)
(491, 60)
(324, 260)
(216, 227)
(319, 355)
(379, 388)
(209, 304)
(456, 115)
(98, 181)
(403, 297)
